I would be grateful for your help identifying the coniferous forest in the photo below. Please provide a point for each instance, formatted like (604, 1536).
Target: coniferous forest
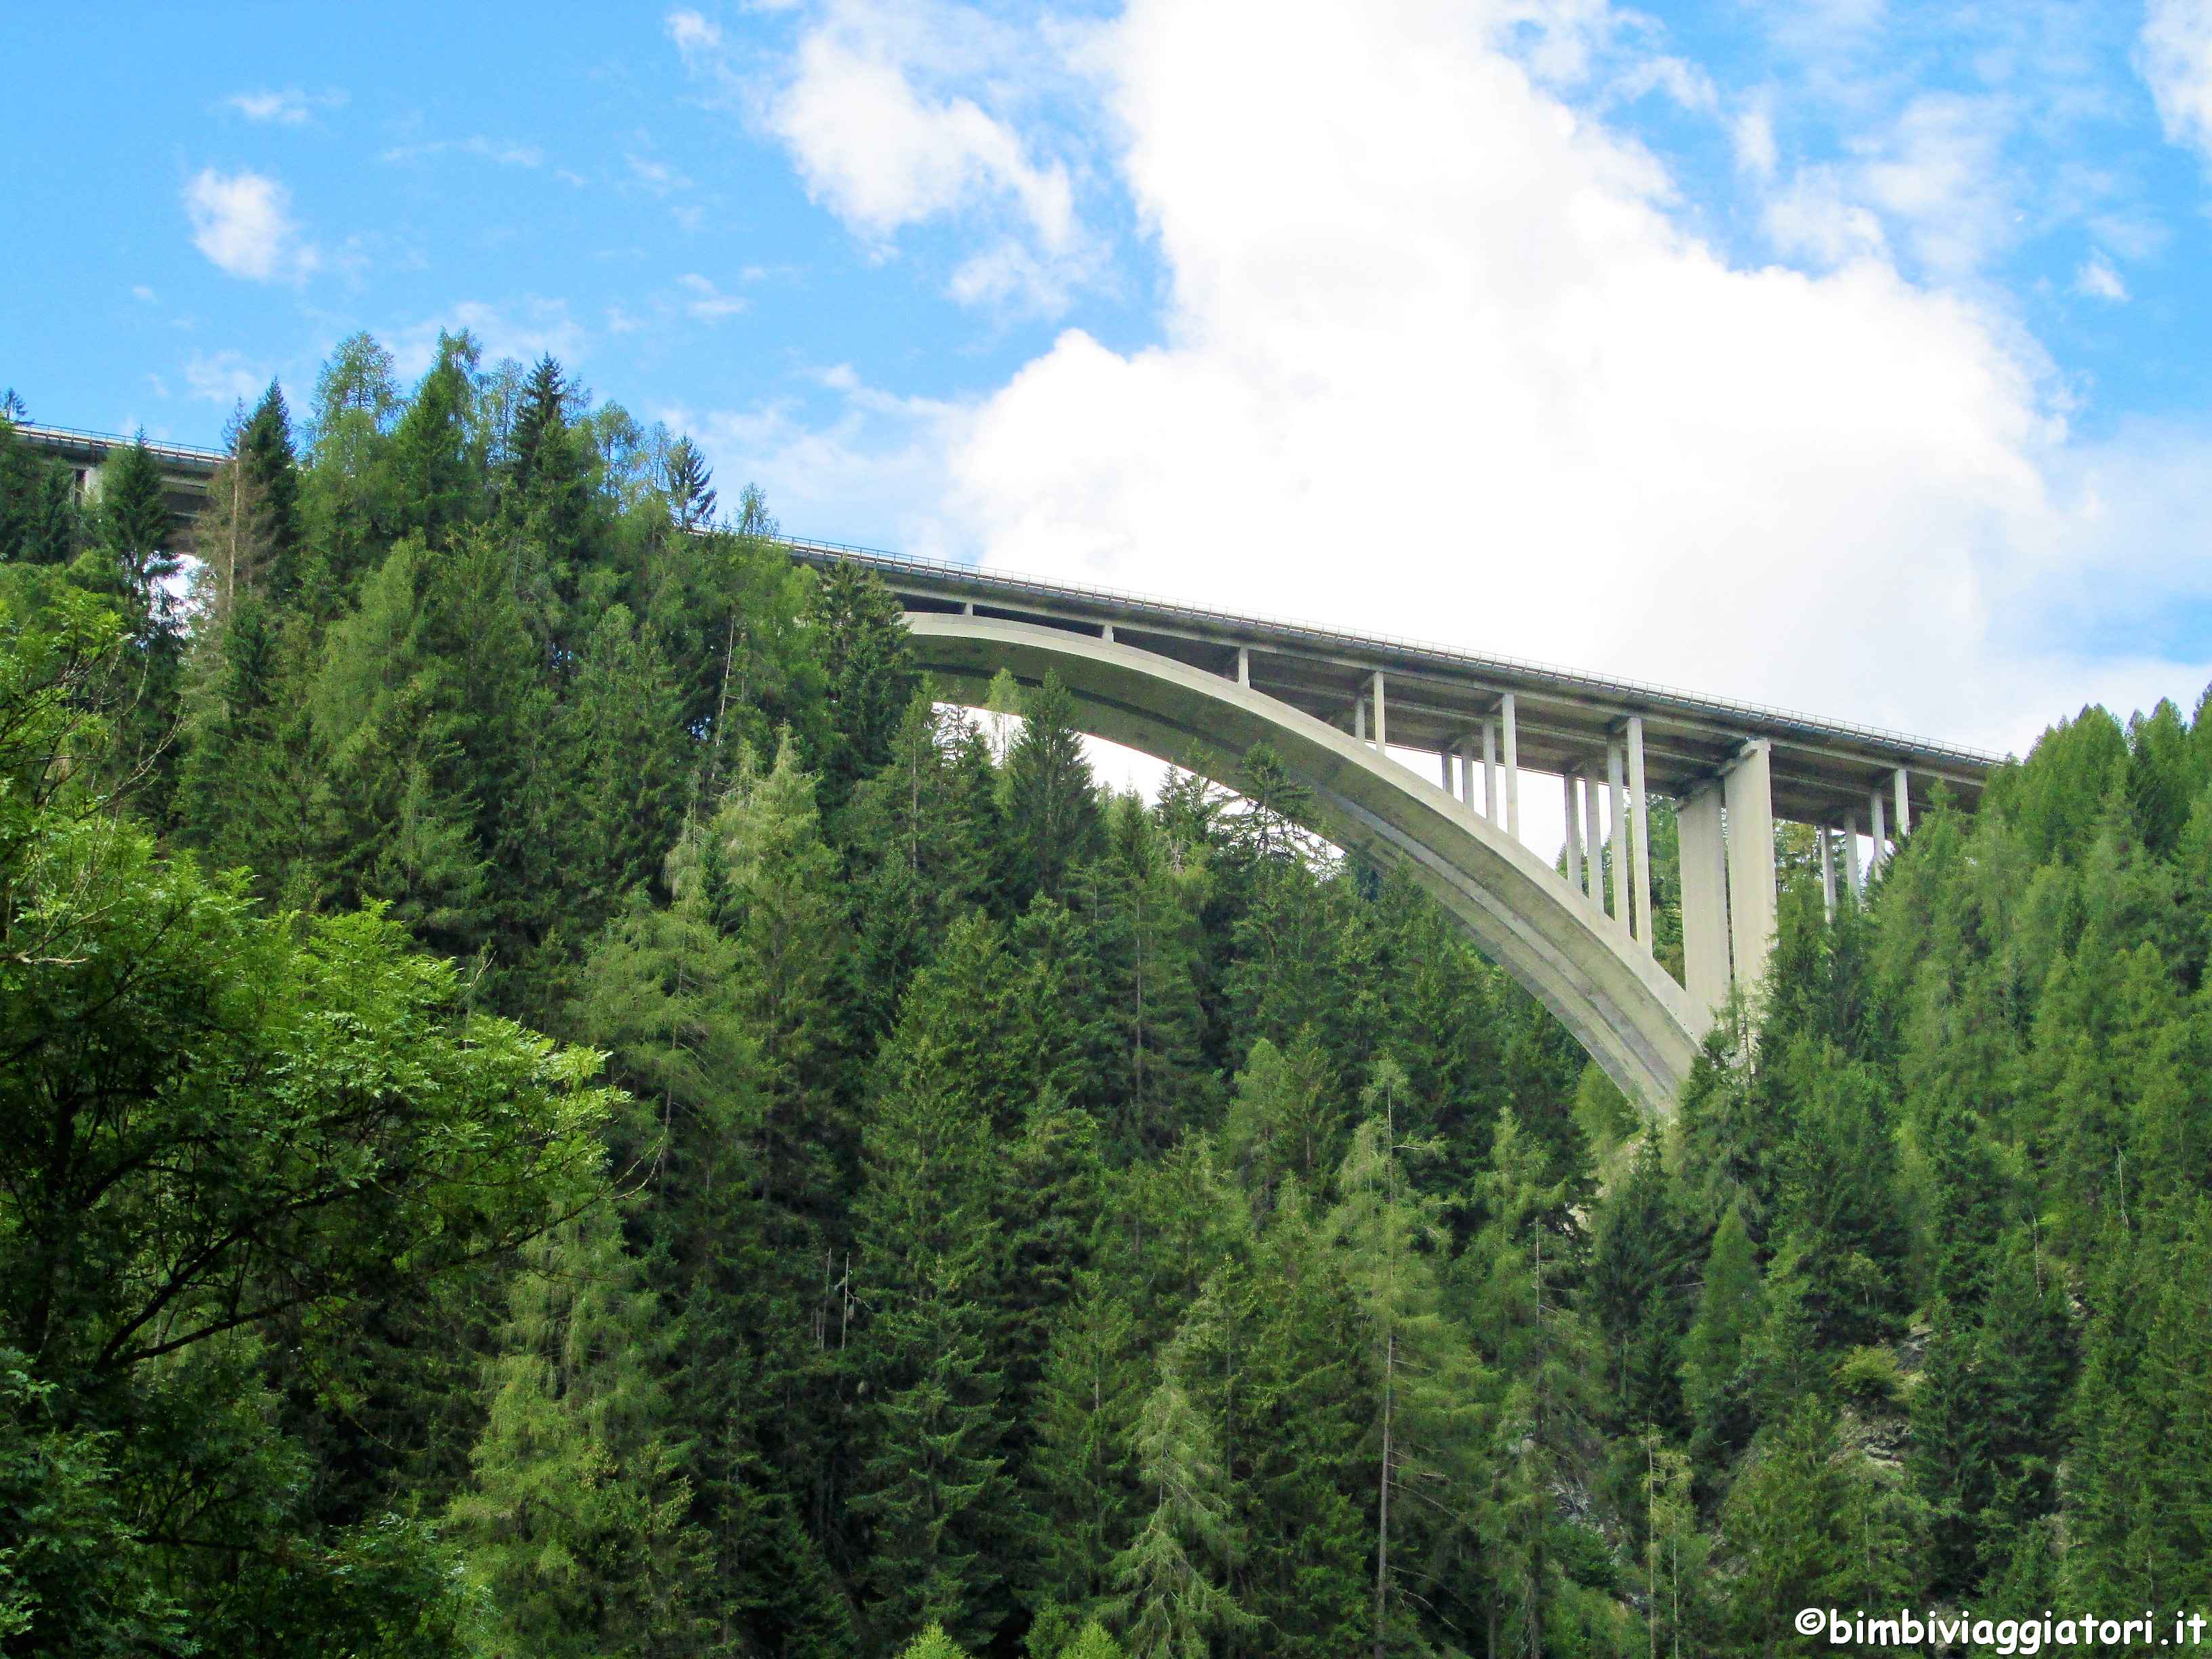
(556, 1103)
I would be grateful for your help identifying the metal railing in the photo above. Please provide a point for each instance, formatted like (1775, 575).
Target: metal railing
(1011, 581)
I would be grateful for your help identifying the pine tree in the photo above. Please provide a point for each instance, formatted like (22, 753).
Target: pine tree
(775, 895)
(1731, 1309)
(345, 496)
(434, 475)
(576, 1522)
(1638, 1294)
(688, 482)
(869, 671)
(626, 769)
(1285, 1119)
(1053, 820)
(1807, 1523)
(266, 456)
(1147, 920)
(932, 1488)
(1173, 1601)
(1391, 1239)
(1082, 1473)
(1515, 1274)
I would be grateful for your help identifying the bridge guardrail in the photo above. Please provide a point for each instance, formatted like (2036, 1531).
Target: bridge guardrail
(1045, 586)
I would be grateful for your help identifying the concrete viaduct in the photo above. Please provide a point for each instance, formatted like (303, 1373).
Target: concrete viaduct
(1344, 711)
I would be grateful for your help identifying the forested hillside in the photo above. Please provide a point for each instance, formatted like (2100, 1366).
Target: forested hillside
(556, 1103)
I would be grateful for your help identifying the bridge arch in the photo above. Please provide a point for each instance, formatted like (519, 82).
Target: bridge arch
(1621, 1006)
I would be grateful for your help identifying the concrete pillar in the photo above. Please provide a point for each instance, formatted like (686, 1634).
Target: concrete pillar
(1490, 770)
(1639, 810)
(1381, 740)
(1594, 865)
(1243, 665)
(1704, 898)
(1904, 806)
(1617, 785)
(1445, 757)
(1878, 832)
(1359, 716)
(1828, 870)
(1512, 766)
(1106, 634)
(967, 607)
(1750, 794)
(1852, 856)
(1574, 847)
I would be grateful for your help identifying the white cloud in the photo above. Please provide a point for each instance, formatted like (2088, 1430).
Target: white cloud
(2176, 60)
(290, 107)
(882, 155)
(1751, 135)
(694, 35)
(901, 111)
(243, 222)
(2097, 280)
(1939, 174)
(656, 176)
(140, 292)
(526, 330)
(489, 150)
(225, 377)
(1440, 361)
(707, 303)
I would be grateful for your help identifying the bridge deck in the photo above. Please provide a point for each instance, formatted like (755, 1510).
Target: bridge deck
(1435, 694)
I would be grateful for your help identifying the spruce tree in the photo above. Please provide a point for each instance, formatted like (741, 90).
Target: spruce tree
(1052, 820)
(1082, 1474)
(868, 669)
(266, 456)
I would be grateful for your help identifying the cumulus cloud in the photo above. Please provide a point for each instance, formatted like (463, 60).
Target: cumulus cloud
(882, 155)
(2176, 58)
(898, 114)
(243, 222)
(1441, 360)
(1441, 356)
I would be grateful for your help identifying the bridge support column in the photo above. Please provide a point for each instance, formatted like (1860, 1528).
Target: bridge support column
(1828, 871)
(1878, 833)
(1445, 757)
(1244, 664)
(1750, 794)
(1617, 787)
(1641, 926)
(1852, 871)
(1904, 806)
(1705, 898)
(1381, 741)
(1594, 865)
(1574, 847)
(1106, 632)
(1512, 767)
(1490, 770)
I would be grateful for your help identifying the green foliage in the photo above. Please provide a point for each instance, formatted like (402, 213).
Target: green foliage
(1046, 1222)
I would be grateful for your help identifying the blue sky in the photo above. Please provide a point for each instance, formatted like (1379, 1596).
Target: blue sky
(1847, 355)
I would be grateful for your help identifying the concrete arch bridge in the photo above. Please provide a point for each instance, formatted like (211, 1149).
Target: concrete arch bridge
(1349, 713)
